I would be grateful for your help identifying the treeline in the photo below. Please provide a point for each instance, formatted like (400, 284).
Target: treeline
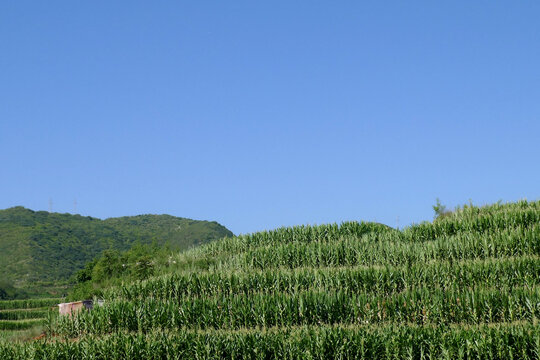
(113, 267)
(9, 292)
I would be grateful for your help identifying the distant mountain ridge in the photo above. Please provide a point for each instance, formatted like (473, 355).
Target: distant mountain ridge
(37, 246)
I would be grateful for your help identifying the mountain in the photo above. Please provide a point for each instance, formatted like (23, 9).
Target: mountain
(37, 247)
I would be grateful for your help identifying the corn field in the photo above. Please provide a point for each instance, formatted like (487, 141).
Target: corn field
(465, 286)
(39, 313)
(29, 304)
(19, 317)
(502, 341)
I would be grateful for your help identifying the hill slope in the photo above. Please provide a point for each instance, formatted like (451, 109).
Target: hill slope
(466, 286)
(42, 246)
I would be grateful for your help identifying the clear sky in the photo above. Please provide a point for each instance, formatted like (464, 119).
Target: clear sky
(263, 114)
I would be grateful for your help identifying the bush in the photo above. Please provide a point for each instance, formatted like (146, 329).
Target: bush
(440, 210)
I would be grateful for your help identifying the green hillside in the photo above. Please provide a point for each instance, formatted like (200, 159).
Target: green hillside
(466, 286)
(44, 249)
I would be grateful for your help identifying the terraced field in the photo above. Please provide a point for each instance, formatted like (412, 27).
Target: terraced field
(24, 319)
(463, 287)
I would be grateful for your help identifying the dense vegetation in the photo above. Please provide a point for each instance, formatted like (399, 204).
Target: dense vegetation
(113, 267)
(40, 251)
(25, 319)
(463, 287)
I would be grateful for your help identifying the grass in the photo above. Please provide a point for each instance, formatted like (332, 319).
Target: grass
(10, 336)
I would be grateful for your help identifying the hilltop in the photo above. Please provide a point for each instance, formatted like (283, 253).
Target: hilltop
(39, 248)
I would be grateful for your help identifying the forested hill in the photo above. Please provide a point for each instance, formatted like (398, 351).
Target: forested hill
(41, 246)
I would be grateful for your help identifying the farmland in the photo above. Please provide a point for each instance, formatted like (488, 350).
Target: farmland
(464, 286)
(24, 319)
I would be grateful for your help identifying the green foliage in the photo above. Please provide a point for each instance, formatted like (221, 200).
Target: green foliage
(113, 267)
(29, 303)
(21, 320)
(108, 265)
(440, 210)
(41, 250)
(83, 291)
(507, 272)
(24, 314)
(143, 268)
(18, 336)
(9, 292)
(518, 341)
(466, 286)
(20, 324)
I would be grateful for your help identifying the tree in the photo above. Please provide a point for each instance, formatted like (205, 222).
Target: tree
(440, 210)
(143, 267)
(109, 265)
(7, 290)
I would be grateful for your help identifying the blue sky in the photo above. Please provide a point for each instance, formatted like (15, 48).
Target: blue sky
(265, 114)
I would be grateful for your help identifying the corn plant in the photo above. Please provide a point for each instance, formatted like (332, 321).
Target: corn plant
(463, 287)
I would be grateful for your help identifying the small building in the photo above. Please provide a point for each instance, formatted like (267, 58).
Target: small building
(71, 308)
